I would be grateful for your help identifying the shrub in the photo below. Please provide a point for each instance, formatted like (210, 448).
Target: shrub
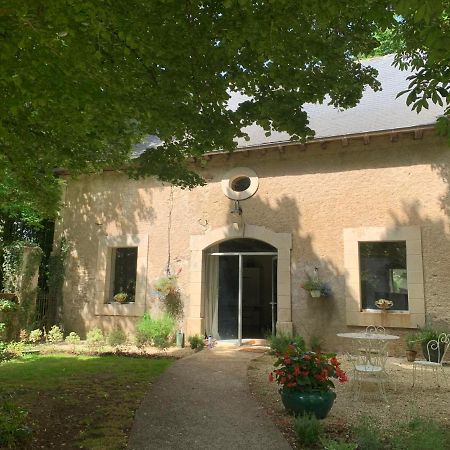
(72, 338)
(307, 429)
(157, 332)
(366, 435)
(330, 444)
(420, 434)
(5, 354)
(55, 335)
(15, 349)
(35, 336)
(117, 337)
(95, 338)
(196, 342)
(23, 335)
(13, 427)
(280, 342)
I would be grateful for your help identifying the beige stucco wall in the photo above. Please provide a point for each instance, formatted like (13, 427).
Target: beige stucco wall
(314, 194)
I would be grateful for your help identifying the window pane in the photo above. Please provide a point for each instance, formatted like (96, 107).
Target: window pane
(125, 264)
(383, 274)
(245, 245)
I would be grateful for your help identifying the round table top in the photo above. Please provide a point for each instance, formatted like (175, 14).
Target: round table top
(374, 336)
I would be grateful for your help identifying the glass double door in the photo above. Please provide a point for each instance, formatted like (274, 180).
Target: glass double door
(246, 294)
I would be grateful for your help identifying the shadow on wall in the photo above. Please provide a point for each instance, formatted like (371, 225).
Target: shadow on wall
(443, 169)
(327, 316)
(436, 261)
(310, 316)
(91, 203)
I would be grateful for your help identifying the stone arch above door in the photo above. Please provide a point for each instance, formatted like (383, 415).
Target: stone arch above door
(198, 243)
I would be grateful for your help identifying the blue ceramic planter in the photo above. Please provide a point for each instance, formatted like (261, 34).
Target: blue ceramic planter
(318, 403)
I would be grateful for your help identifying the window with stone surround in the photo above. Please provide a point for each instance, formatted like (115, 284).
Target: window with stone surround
(382, 262)
(383, 274)
(123, 268)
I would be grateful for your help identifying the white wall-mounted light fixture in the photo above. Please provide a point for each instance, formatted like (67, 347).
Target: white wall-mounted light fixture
(237, 210)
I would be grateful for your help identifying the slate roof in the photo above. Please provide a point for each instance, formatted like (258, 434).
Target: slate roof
(377, 111)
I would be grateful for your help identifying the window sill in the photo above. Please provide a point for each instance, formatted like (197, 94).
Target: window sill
(388, 311)
(391, 319)
(120, 309)
(120, 303)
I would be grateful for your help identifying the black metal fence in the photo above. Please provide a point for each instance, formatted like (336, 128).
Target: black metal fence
(16, 230)
(45, 309)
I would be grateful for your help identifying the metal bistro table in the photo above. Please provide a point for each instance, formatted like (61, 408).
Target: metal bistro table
(369, 356)
(369, 336)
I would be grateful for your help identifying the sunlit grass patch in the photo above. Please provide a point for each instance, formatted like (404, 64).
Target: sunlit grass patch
(85, 401)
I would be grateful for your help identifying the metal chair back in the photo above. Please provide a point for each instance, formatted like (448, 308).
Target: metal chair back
(437, 348)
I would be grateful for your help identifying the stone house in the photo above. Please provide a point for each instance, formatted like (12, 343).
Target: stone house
(364, 206)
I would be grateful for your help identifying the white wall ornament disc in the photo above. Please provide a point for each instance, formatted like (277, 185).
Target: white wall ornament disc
(240, 183)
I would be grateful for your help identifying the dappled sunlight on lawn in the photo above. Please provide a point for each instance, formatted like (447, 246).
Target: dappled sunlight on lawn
(79, 400)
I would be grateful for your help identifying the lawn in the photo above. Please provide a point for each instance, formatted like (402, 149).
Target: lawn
(79, 401)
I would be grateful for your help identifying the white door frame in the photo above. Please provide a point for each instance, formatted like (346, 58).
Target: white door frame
(240, 287)
(195, 323)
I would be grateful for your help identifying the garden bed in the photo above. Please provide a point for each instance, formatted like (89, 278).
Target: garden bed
(424, 400)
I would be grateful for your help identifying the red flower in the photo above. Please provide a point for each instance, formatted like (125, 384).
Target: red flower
(298, 370)
(334, 361)
(343, 378)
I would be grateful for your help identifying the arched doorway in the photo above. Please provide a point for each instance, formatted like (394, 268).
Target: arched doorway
(202, 245)
(241, 289)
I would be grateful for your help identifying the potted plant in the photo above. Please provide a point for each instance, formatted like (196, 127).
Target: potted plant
(426, 335)
(166, 285)
(316, 287)
(196, 342)
(121, 297)
(305, 380)
(384, 304)
(410, 344)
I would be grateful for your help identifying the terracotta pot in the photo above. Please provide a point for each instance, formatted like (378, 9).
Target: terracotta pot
(411, 355)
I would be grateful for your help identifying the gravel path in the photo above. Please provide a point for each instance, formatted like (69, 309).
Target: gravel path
(203, 402)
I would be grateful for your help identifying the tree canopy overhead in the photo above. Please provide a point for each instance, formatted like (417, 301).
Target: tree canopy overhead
(81, 81)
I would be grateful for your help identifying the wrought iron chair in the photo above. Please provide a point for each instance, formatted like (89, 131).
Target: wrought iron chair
(435, 354)
(370, 364)
(375, 329)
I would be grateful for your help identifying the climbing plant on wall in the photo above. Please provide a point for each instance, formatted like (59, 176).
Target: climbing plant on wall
(56, 270)
(20, 268)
